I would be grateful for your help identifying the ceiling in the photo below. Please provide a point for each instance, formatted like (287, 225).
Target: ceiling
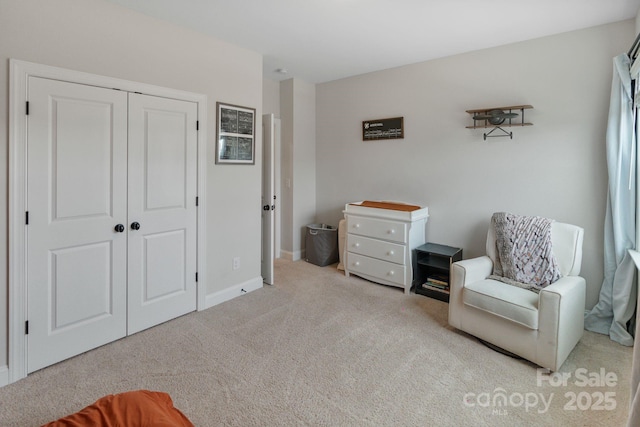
(324, 40)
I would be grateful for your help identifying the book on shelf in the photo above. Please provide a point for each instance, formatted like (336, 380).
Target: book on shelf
(436, 288)
(435, 285)
(438, 279)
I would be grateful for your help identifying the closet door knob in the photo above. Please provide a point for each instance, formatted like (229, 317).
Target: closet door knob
(135, 226)
(119, 228)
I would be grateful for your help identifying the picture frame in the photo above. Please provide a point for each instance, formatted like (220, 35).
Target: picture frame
(235, 134)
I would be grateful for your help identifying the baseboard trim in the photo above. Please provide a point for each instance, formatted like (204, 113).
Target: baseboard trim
(4, 375)
(291, 256)
(233, 292)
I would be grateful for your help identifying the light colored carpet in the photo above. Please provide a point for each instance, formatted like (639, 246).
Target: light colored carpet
(320, 349)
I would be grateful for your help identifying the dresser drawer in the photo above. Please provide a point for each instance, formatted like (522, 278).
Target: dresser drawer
(387, 251)
(378, 228)
(374, 267)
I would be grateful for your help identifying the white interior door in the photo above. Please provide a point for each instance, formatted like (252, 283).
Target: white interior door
(77, 187)
(162, 210)
(268, 197)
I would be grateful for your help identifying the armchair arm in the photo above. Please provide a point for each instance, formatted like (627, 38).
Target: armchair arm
(463, 272)
(565, 287)
(561, 299)
(470, 270)
(561, 318)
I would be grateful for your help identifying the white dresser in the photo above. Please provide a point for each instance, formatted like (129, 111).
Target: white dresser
(380, 240)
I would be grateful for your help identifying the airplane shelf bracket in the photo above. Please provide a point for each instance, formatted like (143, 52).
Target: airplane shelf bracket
(496, 118)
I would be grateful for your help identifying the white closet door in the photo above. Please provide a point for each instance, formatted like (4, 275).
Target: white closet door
(162, 202)
(76, 178)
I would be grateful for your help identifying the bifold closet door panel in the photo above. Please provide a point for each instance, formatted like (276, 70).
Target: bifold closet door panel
(77, 194)
(162, 210)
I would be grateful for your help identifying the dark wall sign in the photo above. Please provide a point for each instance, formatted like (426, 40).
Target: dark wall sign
(383, 129)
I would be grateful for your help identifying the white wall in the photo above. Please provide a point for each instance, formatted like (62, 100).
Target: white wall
(103, 38)
(286, 169)
(271, 97)
(298, 114)
(304, 160)
(555, 168)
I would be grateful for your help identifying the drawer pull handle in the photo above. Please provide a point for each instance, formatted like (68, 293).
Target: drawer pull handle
(392, 231)
(390, 253)
(356, 245)
(356, 225)
(391, 273)
(356, 263)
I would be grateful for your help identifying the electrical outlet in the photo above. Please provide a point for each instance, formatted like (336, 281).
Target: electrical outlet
(236, 263)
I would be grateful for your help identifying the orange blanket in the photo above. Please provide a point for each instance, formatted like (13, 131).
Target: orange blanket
(140, 408)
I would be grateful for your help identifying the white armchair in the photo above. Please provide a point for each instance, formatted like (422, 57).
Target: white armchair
(542, 328)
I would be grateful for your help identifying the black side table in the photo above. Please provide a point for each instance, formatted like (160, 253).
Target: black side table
(433, 264)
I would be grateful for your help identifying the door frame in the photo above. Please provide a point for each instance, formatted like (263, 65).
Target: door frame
(19, 73)
(277, 156)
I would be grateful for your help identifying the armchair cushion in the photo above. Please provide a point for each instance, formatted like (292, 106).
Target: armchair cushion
(509, 302)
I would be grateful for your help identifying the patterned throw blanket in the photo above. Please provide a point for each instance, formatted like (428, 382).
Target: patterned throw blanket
(524, 256)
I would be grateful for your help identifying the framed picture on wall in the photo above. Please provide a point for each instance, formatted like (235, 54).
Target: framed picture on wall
(235, 138)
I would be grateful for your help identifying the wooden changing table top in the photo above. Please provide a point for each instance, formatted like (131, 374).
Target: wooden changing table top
(388, 205)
